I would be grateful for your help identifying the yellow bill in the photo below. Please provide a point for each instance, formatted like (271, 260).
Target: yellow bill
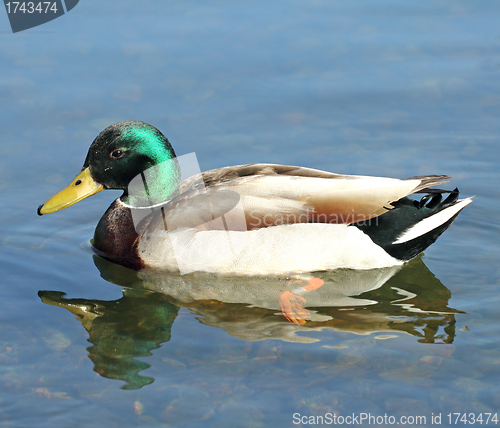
(80, 188)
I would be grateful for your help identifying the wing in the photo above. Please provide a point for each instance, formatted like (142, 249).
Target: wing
(269, 195)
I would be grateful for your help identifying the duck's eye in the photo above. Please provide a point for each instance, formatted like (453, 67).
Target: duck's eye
(117, 154)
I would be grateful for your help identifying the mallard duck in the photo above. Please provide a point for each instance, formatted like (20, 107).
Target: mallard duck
(256, 219)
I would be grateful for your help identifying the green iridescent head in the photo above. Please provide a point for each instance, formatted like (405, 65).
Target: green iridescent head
(134, 150)
(131, 156)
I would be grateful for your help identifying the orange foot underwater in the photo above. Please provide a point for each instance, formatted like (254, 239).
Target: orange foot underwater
(292, 305)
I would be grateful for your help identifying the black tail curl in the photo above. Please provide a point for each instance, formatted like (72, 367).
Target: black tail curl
(405, 214)
(434, 196)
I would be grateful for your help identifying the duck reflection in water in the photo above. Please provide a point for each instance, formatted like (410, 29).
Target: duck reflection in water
(407, 299)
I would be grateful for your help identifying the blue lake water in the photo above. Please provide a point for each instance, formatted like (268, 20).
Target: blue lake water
(371, 88)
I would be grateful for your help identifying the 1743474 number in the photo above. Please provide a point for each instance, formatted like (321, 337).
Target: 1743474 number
(31, 7)
(472, 418)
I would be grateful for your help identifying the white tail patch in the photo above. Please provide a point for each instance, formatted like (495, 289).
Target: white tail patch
(432, 222)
